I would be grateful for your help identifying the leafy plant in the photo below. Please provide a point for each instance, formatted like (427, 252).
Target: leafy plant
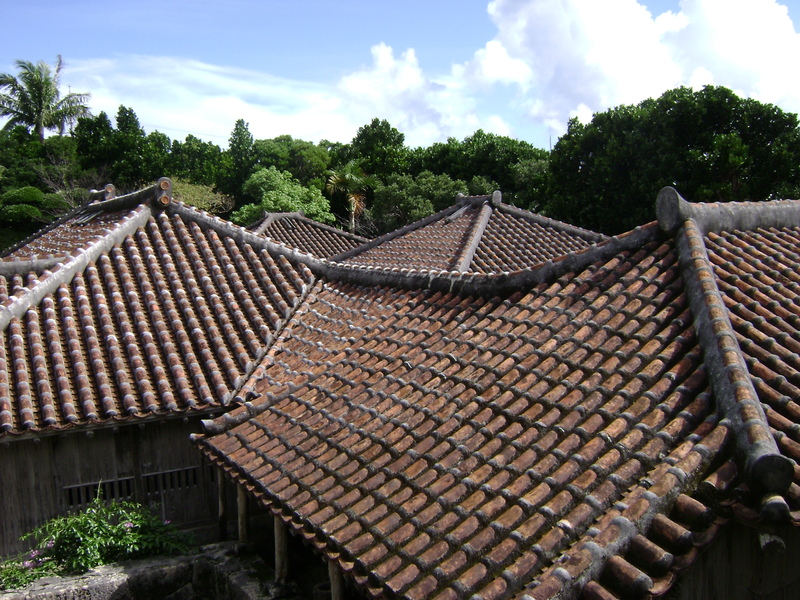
(26, 568)
(100, 534)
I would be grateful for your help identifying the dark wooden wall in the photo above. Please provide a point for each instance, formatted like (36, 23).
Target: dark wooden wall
(154, 464)
(734, 567)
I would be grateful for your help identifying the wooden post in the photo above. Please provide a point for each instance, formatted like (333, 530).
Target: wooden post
(222, 506)
(337, 583)
(241, 505)
(281, 550)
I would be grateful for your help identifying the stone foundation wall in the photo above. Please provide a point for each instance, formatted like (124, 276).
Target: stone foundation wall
(219, 571)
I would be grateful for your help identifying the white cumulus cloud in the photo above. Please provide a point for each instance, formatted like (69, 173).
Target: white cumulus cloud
(425, 108)
(576, 57)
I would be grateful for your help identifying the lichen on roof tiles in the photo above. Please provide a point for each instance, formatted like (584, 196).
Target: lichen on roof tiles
(510, 408)
(449, 416)
(296, 231)
(156, 315)
(530, 434)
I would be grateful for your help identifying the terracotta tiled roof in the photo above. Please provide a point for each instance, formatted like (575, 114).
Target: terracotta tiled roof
(511, 408)
(478, 234)
(296, 231)
(154, 308)
(578, 429)
(75, 229)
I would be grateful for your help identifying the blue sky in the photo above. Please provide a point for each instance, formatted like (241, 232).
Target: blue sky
(434, 69)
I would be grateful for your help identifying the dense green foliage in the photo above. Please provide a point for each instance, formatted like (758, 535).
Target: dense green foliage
(710, 145)
(201, 196)
(278, 191)
(603, 175)
(103, 533)
(404, 198)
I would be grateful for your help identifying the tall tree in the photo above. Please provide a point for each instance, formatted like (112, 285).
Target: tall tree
(403, 199)
(352, 184)
(33, 98)
(380, 149)
(238, 162)
(196, 161)
(709, 144)
(307, 162)
(513, 164)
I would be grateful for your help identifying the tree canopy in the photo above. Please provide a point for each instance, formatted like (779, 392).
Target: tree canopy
(33, 99)
(709, 144)
(278, 191)
(604, 175)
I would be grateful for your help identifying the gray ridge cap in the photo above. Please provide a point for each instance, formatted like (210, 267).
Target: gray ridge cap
(714, 217)
(587, 234)
(468, 253)
(65, 271)
(161, 192)
(480, 284)
(108, 192)
(9, 268)
(765, 468)
(461, 202)
(475, 284)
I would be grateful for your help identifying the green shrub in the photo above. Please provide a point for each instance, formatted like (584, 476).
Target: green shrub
(26, 568)
(23, 195)
(20, 213)
(100, 534)
(55, 203)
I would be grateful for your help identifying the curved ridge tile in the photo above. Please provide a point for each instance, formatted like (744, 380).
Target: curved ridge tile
(765, 467)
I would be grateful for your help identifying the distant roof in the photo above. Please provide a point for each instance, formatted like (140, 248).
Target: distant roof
(565, 430)
(297, 231)
(135, 306)
(477, 234)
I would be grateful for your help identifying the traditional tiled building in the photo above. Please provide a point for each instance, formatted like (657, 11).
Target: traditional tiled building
(579, 427)
(485, 404)
(122, 325)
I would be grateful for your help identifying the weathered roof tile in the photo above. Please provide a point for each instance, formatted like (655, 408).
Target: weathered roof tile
(145, 316)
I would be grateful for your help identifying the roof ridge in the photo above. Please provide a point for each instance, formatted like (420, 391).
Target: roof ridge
(464, 283)
(461, 202)
(160, 191)
(481, 284)
(16, 305)
(714, 217)
(765, 468)
(299, 215)
(478, 229)
(593, 236)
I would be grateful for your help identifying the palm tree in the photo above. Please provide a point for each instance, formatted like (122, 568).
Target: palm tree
(33, 99)
(354, 184)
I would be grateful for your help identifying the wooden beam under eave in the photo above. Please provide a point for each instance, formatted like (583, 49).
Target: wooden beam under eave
(337, 582)
(281, 550)
(222, 506)
(241, 506)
